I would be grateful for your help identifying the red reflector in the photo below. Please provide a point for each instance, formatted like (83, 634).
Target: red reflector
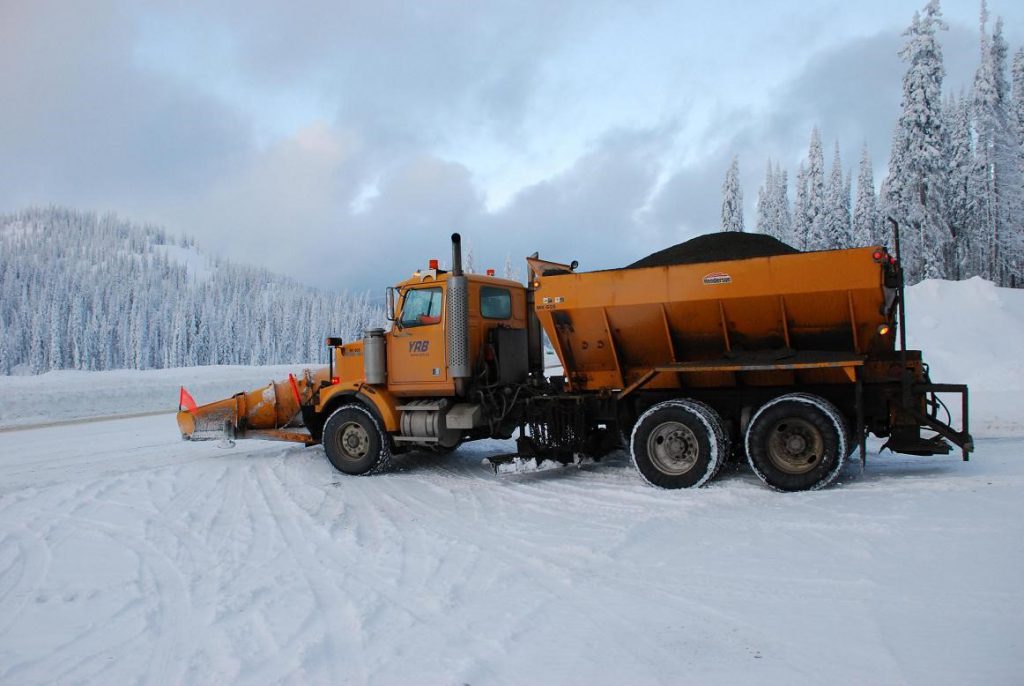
(490, 272)
(295, 388)
(877, 255)
(433, 264)
(335, 379)
(185, 401)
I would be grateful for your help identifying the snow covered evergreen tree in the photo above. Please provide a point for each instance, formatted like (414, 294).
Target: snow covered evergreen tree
(765, 204)
(801, 215)
(914, 192)
(815, 207)
(773, 216)
(865, 226)
(997, 175)
(1017, 94)
(732, 198)
(836, 223)
(509, 271)
(959, 204)
(783, 217)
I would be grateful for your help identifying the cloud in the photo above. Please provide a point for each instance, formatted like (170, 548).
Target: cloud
(341, 143)
(592, 211)
(82, 125)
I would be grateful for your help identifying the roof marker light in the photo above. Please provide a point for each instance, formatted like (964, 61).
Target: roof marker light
(433, 264)
(490, 272)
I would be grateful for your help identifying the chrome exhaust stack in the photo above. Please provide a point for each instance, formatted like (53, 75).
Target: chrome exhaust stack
(459, 367)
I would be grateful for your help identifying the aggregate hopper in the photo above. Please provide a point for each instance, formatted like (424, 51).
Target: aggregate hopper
(805, 318)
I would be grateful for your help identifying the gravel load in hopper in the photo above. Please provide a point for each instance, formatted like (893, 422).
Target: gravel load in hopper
(717, 247)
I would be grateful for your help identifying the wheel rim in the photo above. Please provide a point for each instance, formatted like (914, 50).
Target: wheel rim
(672, 448)
(795, 446)
(354, 441)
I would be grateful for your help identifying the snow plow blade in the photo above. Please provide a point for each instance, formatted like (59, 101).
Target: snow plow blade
(272, 412)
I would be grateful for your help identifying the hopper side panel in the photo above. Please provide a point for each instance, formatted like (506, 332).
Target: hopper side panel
(640, 336)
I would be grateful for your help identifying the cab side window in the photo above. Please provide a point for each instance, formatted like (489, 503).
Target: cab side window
(421, 307)
(495, 303)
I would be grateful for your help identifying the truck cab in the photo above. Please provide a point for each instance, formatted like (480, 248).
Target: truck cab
(418, 343)
(453, 338)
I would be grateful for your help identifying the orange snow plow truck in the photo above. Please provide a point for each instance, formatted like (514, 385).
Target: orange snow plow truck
(729, 346)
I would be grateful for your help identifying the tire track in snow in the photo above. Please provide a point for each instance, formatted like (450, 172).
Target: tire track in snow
(162, 595)
(340, 619)
(28, 568)
(543, 496)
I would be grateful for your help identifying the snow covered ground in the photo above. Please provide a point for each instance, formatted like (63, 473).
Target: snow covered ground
(127, 556)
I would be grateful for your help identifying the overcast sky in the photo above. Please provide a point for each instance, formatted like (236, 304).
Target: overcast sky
(342, 142)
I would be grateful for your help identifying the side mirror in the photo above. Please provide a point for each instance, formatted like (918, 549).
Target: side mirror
(391, 303)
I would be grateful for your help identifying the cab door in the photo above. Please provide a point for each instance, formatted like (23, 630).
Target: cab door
(416, 346)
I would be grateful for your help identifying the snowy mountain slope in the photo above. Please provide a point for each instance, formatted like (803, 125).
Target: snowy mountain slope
(80, 291)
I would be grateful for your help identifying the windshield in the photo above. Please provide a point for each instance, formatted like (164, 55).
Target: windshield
(421, 307)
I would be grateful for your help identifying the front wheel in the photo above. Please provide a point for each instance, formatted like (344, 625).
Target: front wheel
(797, 442)
(355, 443)
(677, 444)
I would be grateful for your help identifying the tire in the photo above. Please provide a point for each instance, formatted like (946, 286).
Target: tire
(724, 442)
(677, 444)
(355, 443)
(797, 442)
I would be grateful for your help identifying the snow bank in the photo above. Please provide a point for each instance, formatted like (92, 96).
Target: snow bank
(62, 395)
(972, 332)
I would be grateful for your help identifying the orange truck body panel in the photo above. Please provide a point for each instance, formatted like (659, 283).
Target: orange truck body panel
(418, 356)
(717, 324)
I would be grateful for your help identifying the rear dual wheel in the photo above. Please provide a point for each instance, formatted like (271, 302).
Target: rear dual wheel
(797, 442)
(678, 444)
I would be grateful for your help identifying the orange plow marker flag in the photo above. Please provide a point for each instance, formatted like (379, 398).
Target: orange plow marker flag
(185, 401)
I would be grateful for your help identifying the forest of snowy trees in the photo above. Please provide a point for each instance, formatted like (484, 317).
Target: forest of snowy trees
(79, 291)
(955, 177)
